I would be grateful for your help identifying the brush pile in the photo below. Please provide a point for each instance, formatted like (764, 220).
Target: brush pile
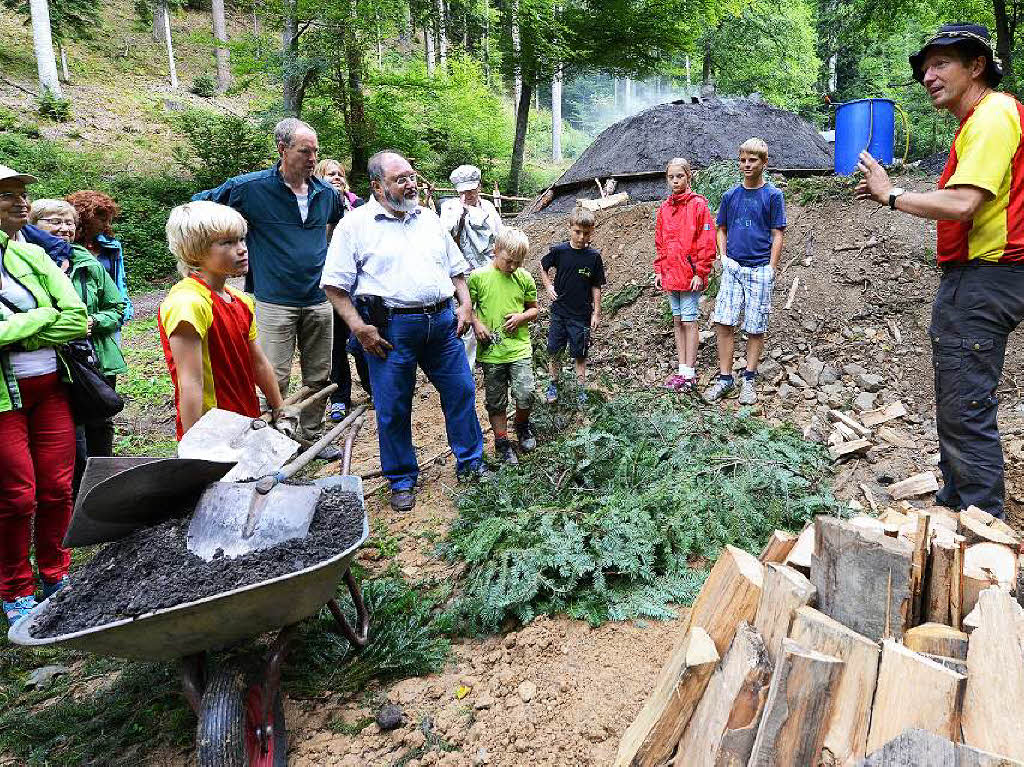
(888, 640)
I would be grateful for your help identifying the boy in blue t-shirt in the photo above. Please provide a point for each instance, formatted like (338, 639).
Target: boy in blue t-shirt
(751, 222)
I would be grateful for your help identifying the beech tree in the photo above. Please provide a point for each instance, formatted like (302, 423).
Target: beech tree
(220, 34)
(64, 20)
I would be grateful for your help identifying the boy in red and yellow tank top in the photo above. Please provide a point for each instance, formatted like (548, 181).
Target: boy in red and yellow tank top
(207, 328)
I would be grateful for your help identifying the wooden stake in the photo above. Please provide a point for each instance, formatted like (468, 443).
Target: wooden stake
(792, 293)
(796, 713)
(914, 692)
(943, 579)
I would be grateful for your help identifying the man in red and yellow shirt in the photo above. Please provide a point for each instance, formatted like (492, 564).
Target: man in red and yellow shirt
(979, 206)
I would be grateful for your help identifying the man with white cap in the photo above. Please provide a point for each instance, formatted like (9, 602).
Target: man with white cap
(474, 224)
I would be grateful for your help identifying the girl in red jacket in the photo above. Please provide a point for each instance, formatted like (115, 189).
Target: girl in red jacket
(685, 242)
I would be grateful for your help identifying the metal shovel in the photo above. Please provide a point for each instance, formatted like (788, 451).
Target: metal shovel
(235, 518)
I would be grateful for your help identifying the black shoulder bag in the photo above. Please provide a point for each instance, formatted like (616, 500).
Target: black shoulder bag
(91, 397)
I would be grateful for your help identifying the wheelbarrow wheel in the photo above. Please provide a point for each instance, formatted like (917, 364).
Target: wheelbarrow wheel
(230, 723)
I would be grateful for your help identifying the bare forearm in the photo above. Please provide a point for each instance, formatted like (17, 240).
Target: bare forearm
(266, 380)
(777, 238)
(941, 205)
(343, 307)
(546, 280)
(190, 401)
(462, 291)
(720, 239)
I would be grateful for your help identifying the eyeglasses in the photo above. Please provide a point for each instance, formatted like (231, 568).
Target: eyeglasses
(405, 180)
(10, 196)
(59, 222)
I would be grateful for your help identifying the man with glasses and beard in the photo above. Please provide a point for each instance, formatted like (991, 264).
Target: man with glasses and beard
(391, 272)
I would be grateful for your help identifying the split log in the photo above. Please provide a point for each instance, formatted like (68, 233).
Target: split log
(890, 412)
(730, 596)
(652, 736)
(919, 748)
(914, 692)
(919, 562)
(863, 579)
(976, 531)
(995, 679)
(911, 487)
(605, 202)
(785, 590)
(778, 547)
(846, 736)
(792, 293)
(987, 564)
(896, 438)
(953, 664)
(868, 523)
(796, 713)
(937, 639)
(851, 422)
(844, 449)
(800, 556)
(722, 729)
(945, 570)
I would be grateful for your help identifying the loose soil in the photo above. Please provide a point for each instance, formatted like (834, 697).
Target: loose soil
(152, 569)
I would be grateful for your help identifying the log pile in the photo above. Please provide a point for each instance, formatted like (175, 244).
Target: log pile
(871, 641)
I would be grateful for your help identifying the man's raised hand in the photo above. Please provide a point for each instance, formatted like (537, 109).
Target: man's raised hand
(875, 184)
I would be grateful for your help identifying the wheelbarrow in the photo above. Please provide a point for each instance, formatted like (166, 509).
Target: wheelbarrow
(240, 717)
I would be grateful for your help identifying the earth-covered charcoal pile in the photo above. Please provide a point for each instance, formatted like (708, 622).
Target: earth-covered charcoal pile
(152, 569)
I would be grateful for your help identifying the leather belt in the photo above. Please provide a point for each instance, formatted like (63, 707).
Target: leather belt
(432, 309)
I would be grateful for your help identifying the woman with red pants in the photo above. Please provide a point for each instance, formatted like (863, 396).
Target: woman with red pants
(38, 310)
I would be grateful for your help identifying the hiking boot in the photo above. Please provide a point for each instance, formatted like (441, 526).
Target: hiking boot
(19, 608)
(723, 387)
(49, 589)
(337, 411)
(404, 499)
(551, 395)
(478, 473)
(748, 392)
(504, 452)
(527, 442)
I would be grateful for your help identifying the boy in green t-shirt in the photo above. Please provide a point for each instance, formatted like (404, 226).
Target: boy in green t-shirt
(504, 299)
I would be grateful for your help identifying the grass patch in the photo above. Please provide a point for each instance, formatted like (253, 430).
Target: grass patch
(615, 520)
(147, 384)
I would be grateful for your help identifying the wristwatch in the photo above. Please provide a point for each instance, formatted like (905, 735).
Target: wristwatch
(894, 195)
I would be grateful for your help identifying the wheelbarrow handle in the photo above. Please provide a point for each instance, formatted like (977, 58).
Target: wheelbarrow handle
(266, 484)
(296, 404)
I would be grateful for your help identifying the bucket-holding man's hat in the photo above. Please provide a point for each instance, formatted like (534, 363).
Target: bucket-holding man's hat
(10, 173)
(974, 36)
(465, 177)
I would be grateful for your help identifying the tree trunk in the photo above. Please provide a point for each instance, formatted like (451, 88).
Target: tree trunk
(42, 43)
(357, 130)
(706, 65)
(556, 117)
(172, 68)
(159, 9)
(628, 96)
(220, 34)
(487, 42)
(517, 59)
(290, 50)
(519, 145)
(64, 63)
(442, 33)
(428, 43)
(1004, 40)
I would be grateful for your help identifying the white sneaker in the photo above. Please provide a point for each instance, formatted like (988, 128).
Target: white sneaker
(719, 390)
(748, 392)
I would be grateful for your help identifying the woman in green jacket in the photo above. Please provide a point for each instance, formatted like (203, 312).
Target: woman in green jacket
(39, 310)
(106, 308)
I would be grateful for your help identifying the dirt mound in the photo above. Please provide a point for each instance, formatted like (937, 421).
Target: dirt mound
(636, 149)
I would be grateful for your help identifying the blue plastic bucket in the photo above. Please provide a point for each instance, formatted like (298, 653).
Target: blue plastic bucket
(864, 124)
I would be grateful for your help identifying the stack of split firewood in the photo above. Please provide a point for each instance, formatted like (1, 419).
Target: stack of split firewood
(889, 640)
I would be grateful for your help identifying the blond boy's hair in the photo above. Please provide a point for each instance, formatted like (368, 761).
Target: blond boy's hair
(755, 146)
(682, 162)
(584, 217)
(513, 241)
(43, 208)
(194, 227)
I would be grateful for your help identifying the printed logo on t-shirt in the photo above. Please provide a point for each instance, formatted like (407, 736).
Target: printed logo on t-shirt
(584, 271)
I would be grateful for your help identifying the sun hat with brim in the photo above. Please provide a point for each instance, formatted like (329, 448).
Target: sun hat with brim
(975, 35)
(7, 174)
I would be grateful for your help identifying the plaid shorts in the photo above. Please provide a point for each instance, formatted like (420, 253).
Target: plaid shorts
(745, 290)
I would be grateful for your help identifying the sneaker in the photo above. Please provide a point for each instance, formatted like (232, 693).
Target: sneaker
(527, 442)
(748, 392)
(673, 382)
(688, 386)
(49, 589)
(478, 473)
(721, 388)
(551, 395)
(19, 608)
(336, 412)
(504, 452)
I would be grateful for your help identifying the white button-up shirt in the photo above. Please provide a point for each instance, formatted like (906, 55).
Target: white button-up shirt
(407, 261)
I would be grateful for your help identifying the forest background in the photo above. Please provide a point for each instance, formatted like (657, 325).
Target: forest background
(517, 87)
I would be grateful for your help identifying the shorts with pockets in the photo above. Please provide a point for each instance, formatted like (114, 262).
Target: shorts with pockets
(746, 291)
(684, 304)
(500, 376)
(567, 331)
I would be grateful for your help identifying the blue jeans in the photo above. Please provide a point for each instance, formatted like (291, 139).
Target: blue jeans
(429, 341)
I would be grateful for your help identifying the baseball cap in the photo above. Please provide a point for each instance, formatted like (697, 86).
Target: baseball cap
(974, 35)
(465, 177)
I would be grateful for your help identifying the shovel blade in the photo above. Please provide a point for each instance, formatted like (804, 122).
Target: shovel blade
(221, 435)
(219, 521)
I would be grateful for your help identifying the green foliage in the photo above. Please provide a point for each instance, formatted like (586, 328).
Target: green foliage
(604, 524)
(715, 180)
(54, 107)
(621, 298)
(222, 146)
(204, 86)
(145, 200)
(68, 18)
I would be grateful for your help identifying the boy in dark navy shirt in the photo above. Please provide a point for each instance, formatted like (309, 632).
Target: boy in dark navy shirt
(751, 222)
(576, 296)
